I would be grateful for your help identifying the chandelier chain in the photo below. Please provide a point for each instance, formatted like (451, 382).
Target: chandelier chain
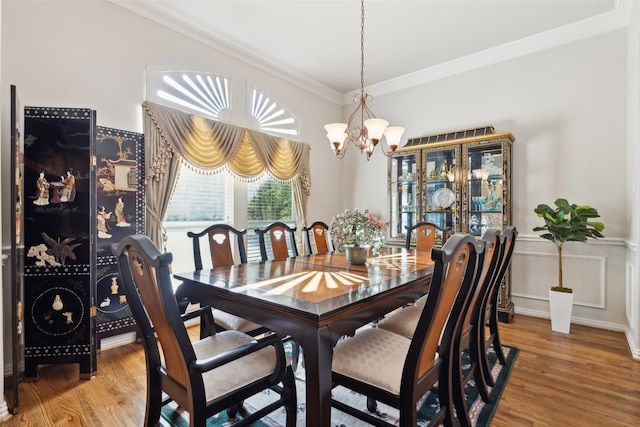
(362, 48)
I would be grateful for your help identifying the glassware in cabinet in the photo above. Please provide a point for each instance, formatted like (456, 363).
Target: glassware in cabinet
(486, 196)
(404, 183)
(441, 189)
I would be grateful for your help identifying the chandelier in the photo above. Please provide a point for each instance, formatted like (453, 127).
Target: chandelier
(363, 128)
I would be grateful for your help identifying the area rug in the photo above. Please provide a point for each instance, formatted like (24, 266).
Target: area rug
(479, 411)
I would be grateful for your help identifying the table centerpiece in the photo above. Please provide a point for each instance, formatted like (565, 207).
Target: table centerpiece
(355, 232)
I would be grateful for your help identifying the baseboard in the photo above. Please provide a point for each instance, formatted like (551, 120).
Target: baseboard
(576, 320)
(117, 340)
(635, 351)
(4, 411)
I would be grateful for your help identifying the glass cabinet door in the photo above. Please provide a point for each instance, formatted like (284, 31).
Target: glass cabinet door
(485, 191)
(404, 184)
(441, 187)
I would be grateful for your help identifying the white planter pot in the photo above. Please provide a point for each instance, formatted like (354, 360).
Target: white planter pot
(560, 304)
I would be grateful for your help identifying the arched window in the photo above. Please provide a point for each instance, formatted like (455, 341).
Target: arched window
(208, 95)
(204, 94)
(270, 117)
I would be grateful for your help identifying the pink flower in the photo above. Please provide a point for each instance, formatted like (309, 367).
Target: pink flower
(357, 228)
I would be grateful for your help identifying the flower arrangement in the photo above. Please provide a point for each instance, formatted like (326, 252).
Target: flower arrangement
(357, 228)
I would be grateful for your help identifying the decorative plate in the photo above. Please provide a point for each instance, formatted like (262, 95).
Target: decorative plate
(443, 198)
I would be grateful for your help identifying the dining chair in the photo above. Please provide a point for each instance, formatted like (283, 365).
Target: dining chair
(221, 251)
(203, 377)
(425, 239)
(399, 371)
(317, 235)
(277, 232)
(404, 321)
(466, 340)
(490, 313)
(426, 233)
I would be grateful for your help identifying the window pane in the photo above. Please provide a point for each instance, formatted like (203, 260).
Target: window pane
(267, 201)
(198, 201)
(204, 94)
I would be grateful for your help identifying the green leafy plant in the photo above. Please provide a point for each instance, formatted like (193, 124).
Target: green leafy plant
(567, 223)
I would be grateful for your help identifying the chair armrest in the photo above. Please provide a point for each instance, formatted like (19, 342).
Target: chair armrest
(200, 312)
(207, 325)
(205, 365)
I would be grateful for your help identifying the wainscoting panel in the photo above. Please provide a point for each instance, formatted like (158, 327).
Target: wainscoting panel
(631, 293)
(581, 272)
(597, 271)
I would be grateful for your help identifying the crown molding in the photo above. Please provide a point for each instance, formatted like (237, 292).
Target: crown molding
(158, 13)
(590, 27)
(586, 28)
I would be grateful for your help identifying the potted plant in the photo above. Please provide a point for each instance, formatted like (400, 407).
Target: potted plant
(566, 223)
(355, 231)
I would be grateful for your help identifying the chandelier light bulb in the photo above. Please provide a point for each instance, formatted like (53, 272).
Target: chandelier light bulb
(393, 134)
(375, 128)
(336, 134)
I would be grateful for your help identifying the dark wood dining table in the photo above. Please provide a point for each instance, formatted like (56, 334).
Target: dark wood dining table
(315, 300)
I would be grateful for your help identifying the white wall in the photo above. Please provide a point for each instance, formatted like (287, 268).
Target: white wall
(94, 55)
(566, 107)
(632, 309)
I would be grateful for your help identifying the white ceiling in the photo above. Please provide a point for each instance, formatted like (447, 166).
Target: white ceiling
(317, 42)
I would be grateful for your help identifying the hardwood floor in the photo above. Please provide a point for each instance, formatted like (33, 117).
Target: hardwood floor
(586, 378)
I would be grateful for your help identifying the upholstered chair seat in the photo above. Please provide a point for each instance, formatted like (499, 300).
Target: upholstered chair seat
(402, 322)
(372, 356)
(238, 373)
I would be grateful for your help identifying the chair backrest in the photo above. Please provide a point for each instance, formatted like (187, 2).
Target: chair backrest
(453, 274)
(426, 235)
(147, 282)
(319, 233)
(220, 249)
(509, 235)
(278, 237)
(484, 277)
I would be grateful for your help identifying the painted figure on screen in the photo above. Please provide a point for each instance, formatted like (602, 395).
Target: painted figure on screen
(42, 195)
(103, 223)
(119, 211)
(67, 193)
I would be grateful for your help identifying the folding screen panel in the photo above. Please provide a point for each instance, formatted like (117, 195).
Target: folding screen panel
(59, 218)
(17, 248)
(120, 210)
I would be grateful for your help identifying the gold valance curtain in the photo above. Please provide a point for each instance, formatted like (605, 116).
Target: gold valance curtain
(210, 146)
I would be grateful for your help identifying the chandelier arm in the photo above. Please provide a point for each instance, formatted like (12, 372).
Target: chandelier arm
(370, 114)
(384, 150)
(340, 154)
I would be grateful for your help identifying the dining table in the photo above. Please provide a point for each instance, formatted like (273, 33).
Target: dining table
(316, 300)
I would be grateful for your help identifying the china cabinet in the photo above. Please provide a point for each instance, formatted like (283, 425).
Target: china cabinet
(460, 180)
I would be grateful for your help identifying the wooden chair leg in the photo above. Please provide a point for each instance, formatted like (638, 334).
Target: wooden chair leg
(457, 391)
(295, 355)
(495, 335)
(291, 405)
(479, 362)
